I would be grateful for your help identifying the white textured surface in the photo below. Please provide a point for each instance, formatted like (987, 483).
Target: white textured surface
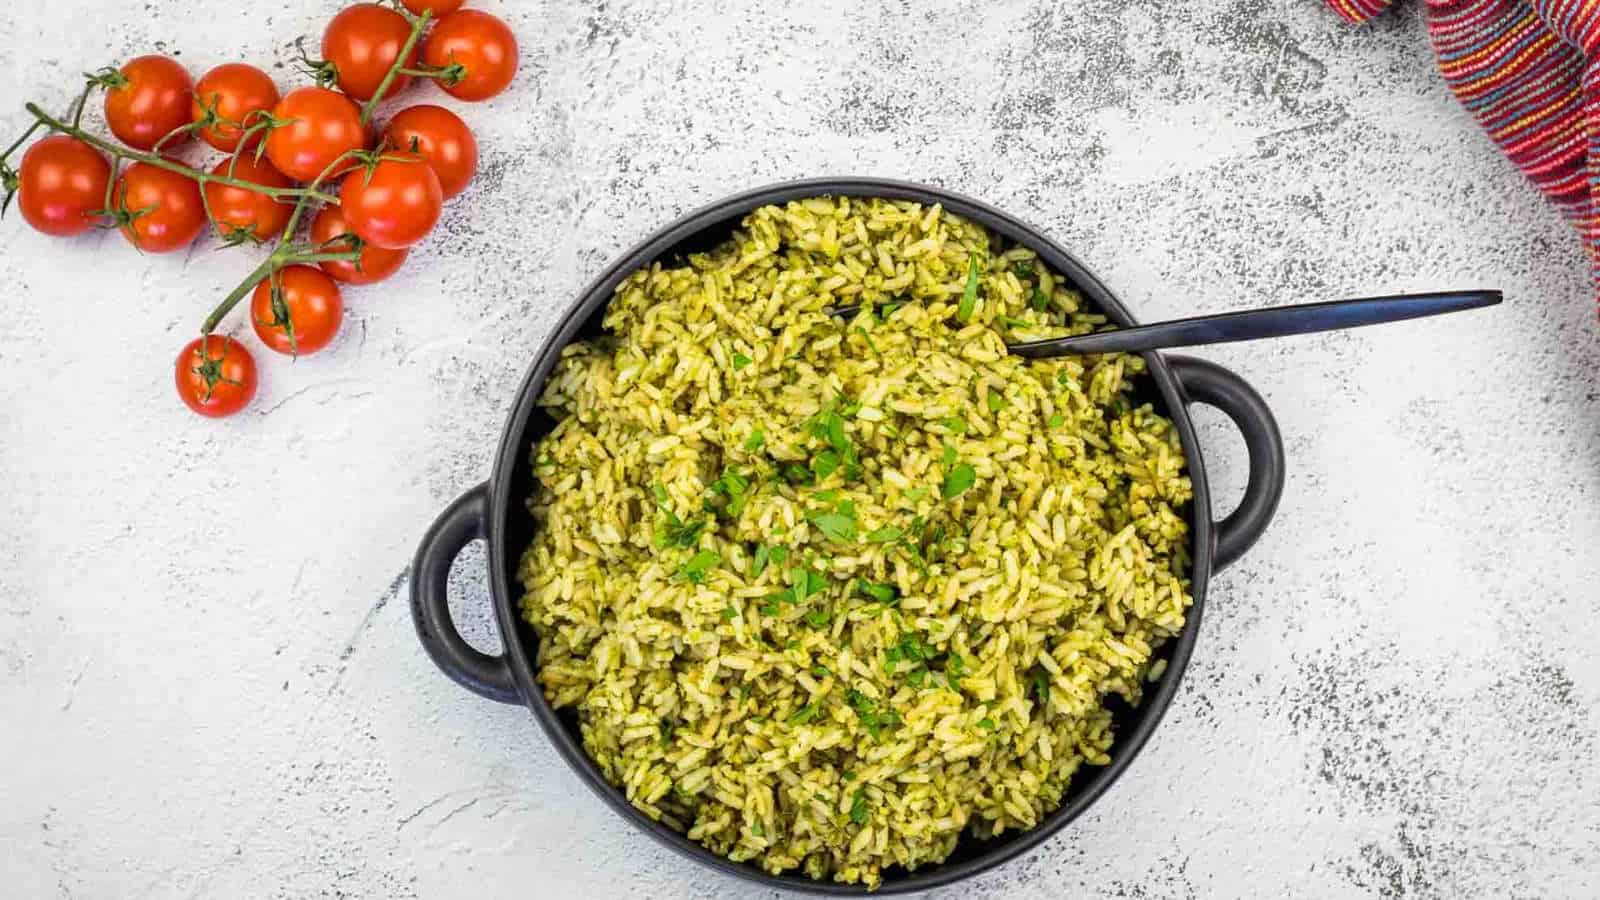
(209, 684)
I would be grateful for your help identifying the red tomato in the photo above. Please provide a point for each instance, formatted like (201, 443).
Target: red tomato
(319, 126)
(60, 184)
(149, 97)
(439, 7)
(442, 140)
(482, 45)
(216, 376)
(163, 208)
(305, 314)
(236, 95)
(395, 203)
(247, 213)
(329, 233)
(362, 42)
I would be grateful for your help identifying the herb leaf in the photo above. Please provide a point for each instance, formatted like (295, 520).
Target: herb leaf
(759, 563)
(837, 526)
(959, 480)
(885, 534)
(1057, 420)
(883, 593)
(695, 569)
(969, 296)
(858, 808)
(740, 361)
(755, 440)
(806, 714)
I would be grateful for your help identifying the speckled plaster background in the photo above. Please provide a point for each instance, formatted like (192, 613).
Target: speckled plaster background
(209, 684)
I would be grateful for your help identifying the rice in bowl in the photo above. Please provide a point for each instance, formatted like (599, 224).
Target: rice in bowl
(828, 592)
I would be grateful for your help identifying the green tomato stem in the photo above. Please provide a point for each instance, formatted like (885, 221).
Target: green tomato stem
(162, 163)
(417, 25)
(265, 270)
(19, 141)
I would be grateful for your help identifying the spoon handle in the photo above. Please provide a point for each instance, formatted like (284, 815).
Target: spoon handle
(1249, 325)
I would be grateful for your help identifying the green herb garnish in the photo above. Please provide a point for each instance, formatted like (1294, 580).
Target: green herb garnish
(837, 526)
(1057, 420)
(882, 593)
(729, 613)
(885, 534)
(986, 723)
(695, 569)
(740, 361)
(817, 618)
(759, 563)
(755, 440)
(995, 400)
(858, 808)
(959, 480)
(969, 296)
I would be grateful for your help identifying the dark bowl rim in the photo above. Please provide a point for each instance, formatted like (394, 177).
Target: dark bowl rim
(513, 452)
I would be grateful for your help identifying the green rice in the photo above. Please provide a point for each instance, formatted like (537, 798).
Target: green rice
(827, 592)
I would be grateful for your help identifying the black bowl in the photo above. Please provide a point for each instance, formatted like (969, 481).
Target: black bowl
(495, 510)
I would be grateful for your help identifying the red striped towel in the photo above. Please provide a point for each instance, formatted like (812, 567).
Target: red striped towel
(1521, 67)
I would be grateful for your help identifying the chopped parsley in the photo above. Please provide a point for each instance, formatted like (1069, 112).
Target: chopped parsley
(858, 807)
(838, 524)
(986, 723)
(959, 480)
(806, 714)
(969, 296)
(695, 569)
(885, 535)
(882, 593)
(996, 401)
(740, 361)
(818, 618)
(1057, 420)
(755, 440)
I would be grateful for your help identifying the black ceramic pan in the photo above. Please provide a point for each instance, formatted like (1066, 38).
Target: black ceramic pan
(495, 511)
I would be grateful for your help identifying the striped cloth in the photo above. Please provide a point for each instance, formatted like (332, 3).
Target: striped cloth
(1522, 68)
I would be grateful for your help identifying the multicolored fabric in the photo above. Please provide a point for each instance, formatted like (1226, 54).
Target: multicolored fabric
(1523, 68)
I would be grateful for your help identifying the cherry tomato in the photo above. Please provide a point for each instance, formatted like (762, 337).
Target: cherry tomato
(439, 7)
(442, 140)
(305, 315)
(240, 212)
(362, 42)
(395, 203)
(149, 98)
(216, 376)
(482, 45)
(329, 233)
(236, 96)
(60, 184)
(319, 126)
(165, 209)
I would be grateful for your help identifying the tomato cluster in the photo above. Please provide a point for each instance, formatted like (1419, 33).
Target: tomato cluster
(381, 189)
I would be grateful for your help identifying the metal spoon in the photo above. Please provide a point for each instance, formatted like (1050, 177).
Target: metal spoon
(1277, 321)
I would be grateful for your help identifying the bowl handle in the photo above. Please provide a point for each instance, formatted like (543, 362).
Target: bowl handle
(1206, 382)
(462, 522)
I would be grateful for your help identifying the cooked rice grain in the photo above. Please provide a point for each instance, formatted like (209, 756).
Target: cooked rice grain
(976, 549)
